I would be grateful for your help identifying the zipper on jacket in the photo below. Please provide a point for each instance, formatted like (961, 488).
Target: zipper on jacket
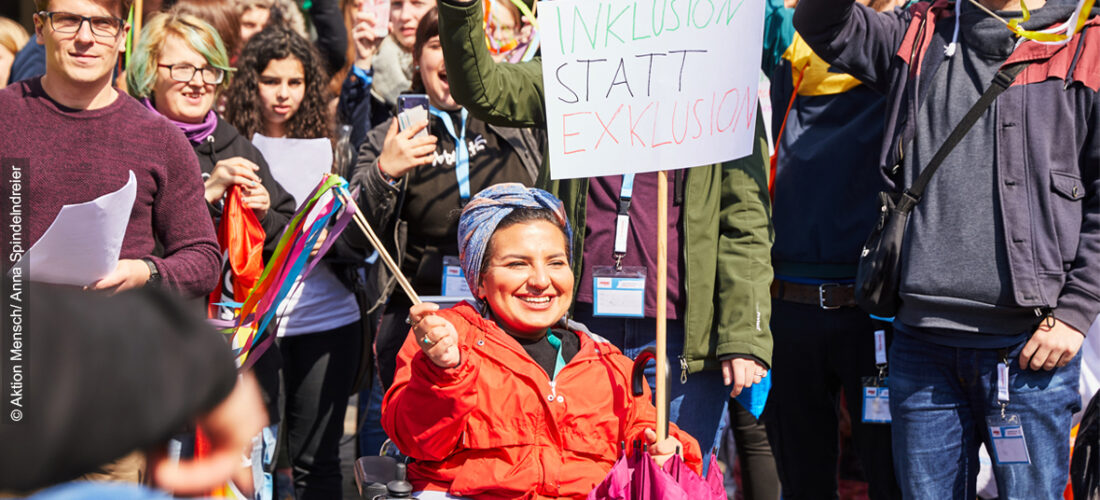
(1046, 316)
(213, 157)
(901, 160)
(683, 370)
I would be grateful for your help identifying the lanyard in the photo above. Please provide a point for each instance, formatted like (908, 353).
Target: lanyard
(880, 353)
(462, 154)
(1002, 382)
(622, 220)
(559, 363)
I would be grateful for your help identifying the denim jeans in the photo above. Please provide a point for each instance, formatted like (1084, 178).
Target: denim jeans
(940, 398)
(698, 405)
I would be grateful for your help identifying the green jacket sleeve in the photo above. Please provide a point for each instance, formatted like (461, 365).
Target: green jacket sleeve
(503, 94)
(744, 255)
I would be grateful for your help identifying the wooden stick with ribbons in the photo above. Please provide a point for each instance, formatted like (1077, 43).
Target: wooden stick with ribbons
(375, 241)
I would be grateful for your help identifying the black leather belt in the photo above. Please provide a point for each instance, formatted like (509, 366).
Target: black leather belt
(825, 295)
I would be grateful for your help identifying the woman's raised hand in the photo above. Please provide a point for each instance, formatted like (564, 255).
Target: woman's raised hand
(366, 39)
(436, 336)
(401, 152)
(228, 172)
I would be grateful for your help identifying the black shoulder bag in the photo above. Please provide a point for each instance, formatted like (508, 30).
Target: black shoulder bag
(879, 275)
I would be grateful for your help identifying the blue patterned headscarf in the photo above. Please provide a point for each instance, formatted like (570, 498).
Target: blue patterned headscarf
(483, 213)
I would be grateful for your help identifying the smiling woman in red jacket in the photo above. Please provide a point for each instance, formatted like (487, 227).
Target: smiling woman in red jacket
(506, 398)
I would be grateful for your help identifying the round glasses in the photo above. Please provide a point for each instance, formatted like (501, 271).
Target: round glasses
(185, 72)
(67, 22)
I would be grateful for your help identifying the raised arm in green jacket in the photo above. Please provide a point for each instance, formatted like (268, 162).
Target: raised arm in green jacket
(727, 232)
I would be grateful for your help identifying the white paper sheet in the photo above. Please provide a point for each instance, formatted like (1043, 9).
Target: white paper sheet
(1090, 368)
(83, 243)
(297, 164)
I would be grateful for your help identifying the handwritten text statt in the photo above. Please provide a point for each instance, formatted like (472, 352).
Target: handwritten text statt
(645, 85)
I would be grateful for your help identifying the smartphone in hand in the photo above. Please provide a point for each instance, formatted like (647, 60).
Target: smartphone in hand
(412, 109)
(381, 10)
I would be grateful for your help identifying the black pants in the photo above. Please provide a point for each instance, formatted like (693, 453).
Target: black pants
(392, 331)
(318, 373)
(759, 479)
(816, 353)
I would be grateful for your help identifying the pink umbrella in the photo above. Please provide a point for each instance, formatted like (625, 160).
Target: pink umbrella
(638, 477)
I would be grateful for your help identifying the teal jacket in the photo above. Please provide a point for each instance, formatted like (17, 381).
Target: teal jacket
(726, 218)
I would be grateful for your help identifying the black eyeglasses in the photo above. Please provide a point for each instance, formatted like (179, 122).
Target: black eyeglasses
(67, 22)
(185, 72)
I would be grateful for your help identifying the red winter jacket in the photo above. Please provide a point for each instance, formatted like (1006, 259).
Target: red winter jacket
(496, 426)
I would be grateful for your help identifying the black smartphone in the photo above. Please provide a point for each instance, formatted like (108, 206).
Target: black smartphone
(412, 109)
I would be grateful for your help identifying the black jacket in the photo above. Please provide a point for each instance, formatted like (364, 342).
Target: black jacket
(101, 376)
(227, 143)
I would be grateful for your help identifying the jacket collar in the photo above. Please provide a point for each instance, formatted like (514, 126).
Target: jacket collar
(592, 346)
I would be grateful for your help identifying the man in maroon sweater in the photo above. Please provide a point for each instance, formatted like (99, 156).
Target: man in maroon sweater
(74, 137)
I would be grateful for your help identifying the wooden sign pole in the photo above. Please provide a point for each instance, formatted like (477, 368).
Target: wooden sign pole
(138, 12)
(662, 308)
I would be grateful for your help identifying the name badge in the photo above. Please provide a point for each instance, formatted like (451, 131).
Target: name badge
(454, 280)
(618, 292)
(1009, 443)
(876, 401)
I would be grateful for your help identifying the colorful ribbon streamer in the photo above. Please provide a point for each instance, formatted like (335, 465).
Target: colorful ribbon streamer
(290, 263)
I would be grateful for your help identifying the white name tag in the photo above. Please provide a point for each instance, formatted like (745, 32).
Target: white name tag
(454, 280)
(1009, 443)
(880, 347)
(876, 402)
(618, 293)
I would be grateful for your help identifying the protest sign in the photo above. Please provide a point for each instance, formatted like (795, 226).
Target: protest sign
(646, 85)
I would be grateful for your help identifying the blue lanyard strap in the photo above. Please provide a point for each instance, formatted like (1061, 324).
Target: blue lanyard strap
(462, 154)
(560, 362)
(627, 191)
(622, 219)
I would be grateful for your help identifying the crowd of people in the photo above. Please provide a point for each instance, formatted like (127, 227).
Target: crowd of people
(513, 383)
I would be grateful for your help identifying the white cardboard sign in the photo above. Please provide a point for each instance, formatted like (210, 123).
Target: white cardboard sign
(646, 85)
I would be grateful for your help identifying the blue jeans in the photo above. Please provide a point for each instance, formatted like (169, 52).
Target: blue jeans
(940, 398)
(703, 398)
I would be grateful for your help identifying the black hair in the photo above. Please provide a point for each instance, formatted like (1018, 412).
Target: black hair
(243, 106)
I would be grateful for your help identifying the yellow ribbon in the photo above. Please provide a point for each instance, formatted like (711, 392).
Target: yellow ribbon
(1014, 25)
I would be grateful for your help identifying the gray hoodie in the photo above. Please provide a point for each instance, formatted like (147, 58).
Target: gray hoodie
(957, 287)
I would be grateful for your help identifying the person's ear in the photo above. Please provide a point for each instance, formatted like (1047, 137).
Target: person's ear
(123, 34)
(39, 25)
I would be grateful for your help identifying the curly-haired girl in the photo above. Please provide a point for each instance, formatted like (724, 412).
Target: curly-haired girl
(278, 99)
(279, 88)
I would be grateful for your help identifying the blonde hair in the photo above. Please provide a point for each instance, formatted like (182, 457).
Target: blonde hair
(12, 35)
(200, 35)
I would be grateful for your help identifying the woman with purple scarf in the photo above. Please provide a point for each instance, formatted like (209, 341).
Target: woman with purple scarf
(178, 70)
